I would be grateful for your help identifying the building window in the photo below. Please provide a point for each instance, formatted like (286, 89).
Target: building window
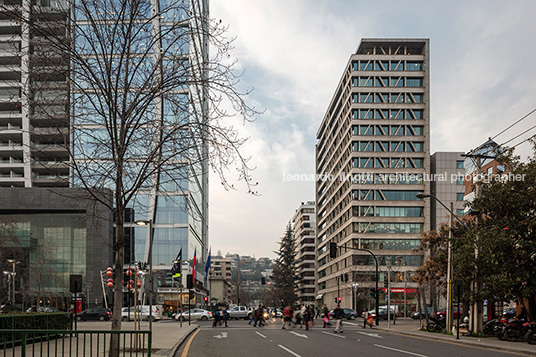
(459, 196)
(414, 82)
(414, 66)
(459, 180)
(459, 164)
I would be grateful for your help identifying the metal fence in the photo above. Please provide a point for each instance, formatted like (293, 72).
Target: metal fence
(48, 343)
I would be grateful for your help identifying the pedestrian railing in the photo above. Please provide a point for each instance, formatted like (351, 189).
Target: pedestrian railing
(93, 343)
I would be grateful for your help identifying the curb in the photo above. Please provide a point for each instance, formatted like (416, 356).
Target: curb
(174, 349)
(465, 342)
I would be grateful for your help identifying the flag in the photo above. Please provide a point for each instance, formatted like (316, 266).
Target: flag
(177, 266)
(193, 267)
(207, 267)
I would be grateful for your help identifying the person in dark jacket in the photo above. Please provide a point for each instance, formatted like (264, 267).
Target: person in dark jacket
(338, 314)
(216, 317)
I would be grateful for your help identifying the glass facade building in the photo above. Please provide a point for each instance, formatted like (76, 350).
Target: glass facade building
(163, 49)
(372, 156)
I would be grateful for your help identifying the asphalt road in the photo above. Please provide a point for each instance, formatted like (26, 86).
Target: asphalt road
(241, 339)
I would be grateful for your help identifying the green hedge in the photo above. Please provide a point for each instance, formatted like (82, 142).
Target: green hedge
(36, 321)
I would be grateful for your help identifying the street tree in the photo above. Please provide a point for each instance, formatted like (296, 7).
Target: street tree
(284, 275)
(134, 97)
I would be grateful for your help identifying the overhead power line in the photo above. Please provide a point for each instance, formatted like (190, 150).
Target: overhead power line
(517, 136)
(532, 111)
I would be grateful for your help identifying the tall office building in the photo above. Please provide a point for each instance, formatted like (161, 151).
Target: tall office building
(173, 54)
(34, 120)
(304, 227)
(372, 155)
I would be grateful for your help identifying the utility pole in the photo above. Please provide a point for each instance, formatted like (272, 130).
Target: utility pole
(449, 271)
(388, 294)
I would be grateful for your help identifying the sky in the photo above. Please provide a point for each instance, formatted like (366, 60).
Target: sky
(292, 54)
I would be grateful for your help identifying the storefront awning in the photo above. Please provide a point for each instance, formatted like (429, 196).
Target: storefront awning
(319, 296)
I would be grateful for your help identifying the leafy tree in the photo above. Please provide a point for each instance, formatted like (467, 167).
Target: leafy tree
(507, 233)
(284, 275)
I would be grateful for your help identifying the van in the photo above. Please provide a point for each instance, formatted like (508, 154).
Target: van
(141, 312)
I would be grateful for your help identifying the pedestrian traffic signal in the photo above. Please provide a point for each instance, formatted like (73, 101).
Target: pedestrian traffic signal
(189, 282)
(333, 250)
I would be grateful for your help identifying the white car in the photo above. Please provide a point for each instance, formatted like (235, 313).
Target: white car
(157, 314)
(195, 314)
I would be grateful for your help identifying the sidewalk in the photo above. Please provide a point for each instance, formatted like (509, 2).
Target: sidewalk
(412, 327)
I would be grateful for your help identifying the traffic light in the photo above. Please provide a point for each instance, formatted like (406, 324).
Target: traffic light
(189, 282)
(385, 282)
(339, 299)
(372, 292)
(336, 300)
(346, 277)
(263, 280)
(333, 250)
(191, 294)
(342, 278)
(206, 299)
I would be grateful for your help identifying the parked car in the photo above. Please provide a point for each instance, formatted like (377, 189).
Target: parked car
(383, 313)
(239, 312)
(95, 313)
(195, 314)
(143, 314)
(42, 309)
(442, 313)
(348, 313)
(416, 315)
(509, 313)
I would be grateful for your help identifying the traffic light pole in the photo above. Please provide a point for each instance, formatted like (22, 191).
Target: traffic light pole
(377, 293)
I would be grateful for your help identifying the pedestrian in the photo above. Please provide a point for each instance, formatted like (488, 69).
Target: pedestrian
(260, 317)
(325, 315)
(253, 317)
(287, 316)
(370, 321)
(337, 315)
(216, 317)
(225, 315)
(297, 317)
(307, 317)
(365, 316)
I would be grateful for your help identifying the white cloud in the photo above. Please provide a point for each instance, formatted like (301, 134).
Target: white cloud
(294, 52)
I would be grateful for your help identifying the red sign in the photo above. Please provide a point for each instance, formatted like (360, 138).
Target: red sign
(401, 290)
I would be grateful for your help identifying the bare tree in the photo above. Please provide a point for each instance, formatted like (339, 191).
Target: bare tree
(147, 105)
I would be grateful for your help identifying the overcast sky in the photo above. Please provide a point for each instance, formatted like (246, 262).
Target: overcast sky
(293, 52)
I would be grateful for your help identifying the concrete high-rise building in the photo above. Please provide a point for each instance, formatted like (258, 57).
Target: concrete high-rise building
(447, 184)
(34, 93)
(304, 228)
(219, 280)
(372, 157)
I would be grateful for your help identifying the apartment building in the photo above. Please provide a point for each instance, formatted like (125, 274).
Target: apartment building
(304, 227)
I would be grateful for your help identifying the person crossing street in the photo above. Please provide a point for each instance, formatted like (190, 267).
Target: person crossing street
(338, 315)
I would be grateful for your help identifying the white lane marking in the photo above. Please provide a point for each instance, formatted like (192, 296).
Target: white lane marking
(223, 335)
(260, 334)
(369, 334)
(289, 351)
(351, 323)
(298, 334)
(401, 351)
(333, 334)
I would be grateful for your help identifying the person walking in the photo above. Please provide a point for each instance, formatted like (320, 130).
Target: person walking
(307, 316)
(287, 316)
(337, 315)
(260, 317)
(365, 316)
(225, 315)
(325, 315)
(298, 317)
(216, 317)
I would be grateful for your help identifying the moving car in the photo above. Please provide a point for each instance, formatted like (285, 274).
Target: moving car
(95, 313)
(195, 314)
(239, 312)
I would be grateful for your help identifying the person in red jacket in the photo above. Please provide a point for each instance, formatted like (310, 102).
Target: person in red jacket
(287, 316)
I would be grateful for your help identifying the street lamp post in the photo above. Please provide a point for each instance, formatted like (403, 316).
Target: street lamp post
(14, 262)
(149, 223)
(449, 254)
(355, 286)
